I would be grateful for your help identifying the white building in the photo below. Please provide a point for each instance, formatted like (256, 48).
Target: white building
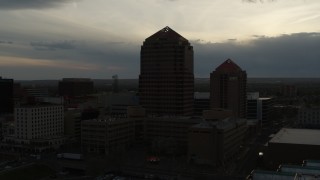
(36, 122)
(37, 128)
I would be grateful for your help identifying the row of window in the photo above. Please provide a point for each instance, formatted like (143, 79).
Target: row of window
(313, 121)
(53, 121)
(40, 116)
(51, 128)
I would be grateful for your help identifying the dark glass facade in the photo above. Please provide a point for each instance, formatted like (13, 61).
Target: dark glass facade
(6, 96)
(166, 80)
(228, 88)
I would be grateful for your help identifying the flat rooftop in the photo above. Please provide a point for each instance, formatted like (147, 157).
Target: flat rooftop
(272, 175)
(297, 136)
(202, 95)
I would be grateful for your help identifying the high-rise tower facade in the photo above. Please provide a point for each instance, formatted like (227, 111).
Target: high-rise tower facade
(228, 88)
(166, 81)
(6, 96)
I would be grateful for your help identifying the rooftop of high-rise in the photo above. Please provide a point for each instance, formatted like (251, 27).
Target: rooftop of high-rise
(167, 34)
(228, 66)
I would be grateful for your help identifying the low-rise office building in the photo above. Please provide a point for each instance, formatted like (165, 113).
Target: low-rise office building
(289, 172)
(293, 146)
(252, 105)
(288, 90)
(271, 175)
(107, 136)
(165, 134)
(310, 162)
(72, 87)
(169, 134)
(201, 102)
(7, 126)
(216, 142)
(37, 121)
(309, 117)
(310, 170)
(138, 115)
(38, 128)
(216, 114)
(72, 124)
(260, 109)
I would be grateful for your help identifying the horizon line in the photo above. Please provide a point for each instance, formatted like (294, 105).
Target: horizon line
(138, 78)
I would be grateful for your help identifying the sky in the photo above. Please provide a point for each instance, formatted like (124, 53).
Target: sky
(53, 39)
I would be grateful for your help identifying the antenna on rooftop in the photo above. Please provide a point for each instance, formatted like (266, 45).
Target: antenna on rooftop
(115, 84)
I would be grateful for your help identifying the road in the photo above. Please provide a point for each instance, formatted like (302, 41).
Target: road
(250, 161)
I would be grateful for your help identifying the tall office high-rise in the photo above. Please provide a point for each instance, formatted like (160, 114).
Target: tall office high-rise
(6, 96)
(228, 88)
(166, 81)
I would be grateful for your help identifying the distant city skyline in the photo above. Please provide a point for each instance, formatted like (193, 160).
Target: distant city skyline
(54, 39)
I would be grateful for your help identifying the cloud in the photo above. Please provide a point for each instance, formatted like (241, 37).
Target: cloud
(83, 58)
(289, 55)
(255, 1)
(7, 61)
(6, 42)
(52, 46)
(258, 36)
(31, 4)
